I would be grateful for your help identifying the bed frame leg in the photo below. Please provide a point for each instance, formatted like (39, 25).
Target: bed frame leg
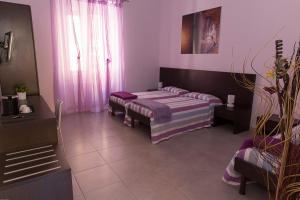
(113, 113)
(243, 185)
(132, 122)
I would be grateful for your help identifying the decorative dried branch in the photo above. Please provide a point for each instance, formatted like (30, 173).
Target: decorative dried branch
(286, 166)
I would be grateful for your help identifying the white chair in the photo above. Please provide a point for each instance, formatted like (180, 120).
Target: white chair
(58, 111)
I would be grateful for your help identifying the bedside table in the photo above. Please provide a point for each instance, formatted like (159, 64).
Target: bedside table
(239, 117)
(273, 122)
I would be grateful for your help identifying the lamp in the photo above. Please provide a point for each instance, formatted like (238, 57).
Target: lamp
(7, 45)
(230, 100)
(160, 85)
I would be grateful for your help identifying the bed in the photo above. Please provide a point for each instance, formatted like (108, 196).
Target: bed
(117, 104)
(218, 84)
(249, 164)
(188, 112)
(236, 168)
(251, 172)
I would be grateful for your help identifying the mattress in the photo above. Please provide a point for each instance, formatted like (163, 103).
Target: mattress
(253, 156)
(188, 114)
(144, 95)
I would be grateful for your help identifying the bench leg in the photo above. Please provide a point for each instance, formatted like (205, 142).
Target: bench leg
(113, 111)
(132, 122)
(243, 185)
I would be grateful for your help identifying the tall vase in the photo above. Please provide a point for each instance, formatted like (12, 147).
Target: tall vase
(21, 96)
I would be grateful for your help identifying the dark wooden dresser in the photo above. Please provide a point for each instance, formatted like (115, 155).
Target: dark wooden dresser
(32, 164)
(26, 130)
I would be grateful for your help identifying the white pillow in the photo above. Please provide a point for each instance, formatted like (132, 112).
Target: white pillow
(296, 135)
(213, 100)
(175, 90)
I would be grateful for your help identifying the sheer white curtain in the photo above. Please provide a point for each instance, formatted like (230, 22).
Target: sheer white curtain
(88, 52)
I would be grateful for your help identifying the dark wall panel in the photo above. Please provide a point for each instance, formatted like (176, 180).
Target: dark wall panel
(22, 66)
(219, 84)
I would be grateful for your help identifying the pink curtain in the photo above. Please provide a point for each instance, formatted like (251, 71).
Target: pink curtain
(88, 52)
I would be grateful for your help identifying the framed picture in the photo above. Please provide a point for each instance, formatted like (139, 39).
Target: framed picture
(201, 32)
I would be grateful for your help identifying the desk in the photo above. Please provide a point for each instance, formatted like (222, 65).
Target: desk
(44, 172)
(34, 129)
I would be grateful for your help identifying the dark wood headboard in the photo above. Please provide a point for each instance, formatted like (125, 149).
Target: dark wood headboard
(219, 84)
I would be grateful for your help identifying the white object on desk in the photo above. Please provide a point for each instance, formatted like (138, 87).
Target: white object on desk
(230, 101)
(21, 95)
(25, 109)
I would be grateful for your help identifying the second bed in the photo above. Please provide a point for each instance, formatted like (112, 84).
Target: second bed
(189, 112)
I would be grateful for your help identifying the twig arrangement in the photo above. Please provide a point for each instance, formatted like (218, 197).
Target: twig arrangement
(281, 93)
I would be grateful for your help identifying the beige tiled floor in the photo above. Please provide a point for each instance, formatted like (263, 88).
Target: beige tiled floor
(110, 161)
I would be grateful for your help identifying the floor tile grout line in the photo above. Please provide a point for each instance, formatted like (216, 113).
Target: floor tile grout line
(81, 190)
(75, 179)
(111, 164)
(77, 182)
(122, 181)
(106, 148)
(97, 188)
(89, 168)
(114, 161)
(176, 188)
(164, 179)
(71, 156)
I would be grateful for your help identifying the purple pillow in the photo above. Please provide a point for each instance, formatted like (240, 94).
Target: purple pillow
(248, 143)
(260, 142)
(124, 95)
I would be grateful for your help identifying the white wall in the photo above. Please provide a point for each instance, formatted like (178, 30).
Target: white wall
(152, 31)
(41, 18)
(246, 27)
(141, 22)
(141, 34)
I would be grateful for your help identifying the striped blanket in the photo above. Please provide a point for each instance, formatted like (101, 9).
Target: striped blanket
(253, 156)
(188, 114)
(144, 95)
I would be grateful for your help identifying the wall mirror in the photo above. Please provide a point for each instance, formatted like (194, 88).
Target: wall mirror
(17, 52)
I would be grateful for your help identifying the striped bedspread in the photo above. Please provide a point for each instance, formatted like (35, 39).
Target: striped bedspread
(144, 95)
(251, 155)
(188, 114)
